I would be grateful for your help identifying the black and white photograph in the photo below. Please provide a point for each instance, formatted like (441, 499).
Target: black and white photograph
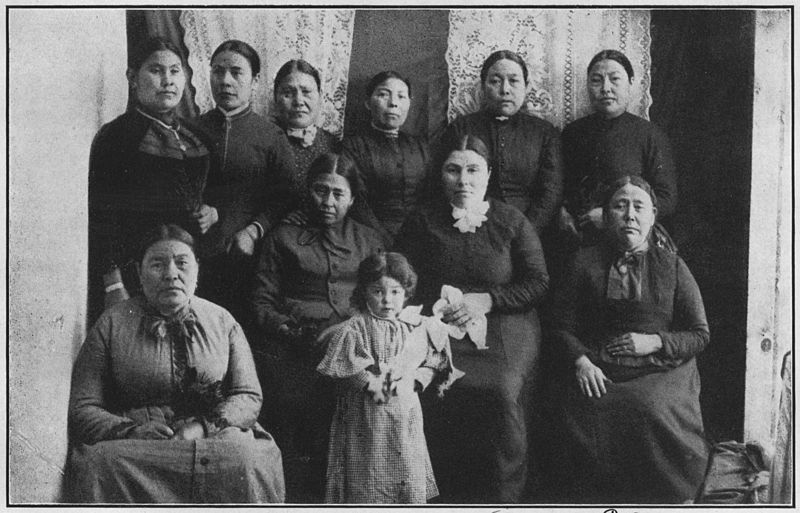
(474, 256)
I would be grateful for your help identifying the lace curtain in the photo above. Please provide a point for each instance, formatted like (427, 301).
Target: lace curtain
(557, 45)
(322, 37)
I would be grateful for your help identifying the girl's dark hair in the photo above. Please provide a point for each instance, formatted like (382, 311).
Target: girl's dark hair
(382, 77)
(379, 265)
(334, 163)
(148, 47)
(295, 65)
(162, 233)
(243, 49)
(613, 55)
(611, 188)
(499, 55)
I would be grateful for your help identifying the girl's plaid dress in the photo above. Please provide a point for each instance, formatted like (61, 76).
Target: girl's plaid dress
(377, 452)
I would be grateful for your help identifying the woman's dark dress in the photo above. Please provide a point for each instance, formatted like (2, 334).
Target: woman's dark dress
(302, 158)
(526, 166)
(140, 176)
(393, 170)
(304, 276)
(477, 435)
(643, 441)
(598, 150)
(247, 184)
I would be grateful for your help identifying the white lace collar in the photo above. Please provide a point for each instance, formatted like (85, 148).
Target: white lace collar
(468, 219)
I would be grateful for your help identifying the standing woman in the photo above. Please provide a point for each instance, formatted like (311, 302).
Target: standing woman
(246, 185)
(477, 434)
(297, 93)
(525, 151)
(609, 144)
(391, 163)
(146, 168)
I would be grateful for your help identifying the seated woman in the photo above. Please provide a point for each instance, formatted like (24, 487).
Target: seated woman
(630, 320)
(304, 280)
(164, 396)
(477, 434)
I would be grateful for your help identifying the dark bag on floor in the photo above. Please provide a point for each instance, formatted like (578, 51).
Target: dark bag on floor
(738, 473)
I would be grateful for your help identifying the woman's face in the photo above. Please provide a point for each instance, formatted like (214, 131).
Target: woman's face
(232, 80)
(159, 82)
(385, 298)
(298, 100)
(168, 273)
(332, 198)
(609, 88)
(389, 104)
(630, 216)
(465, 175)
(504, 88)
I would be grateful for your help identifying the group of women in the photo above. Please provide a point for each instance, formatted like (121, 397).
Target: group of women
(166, 400)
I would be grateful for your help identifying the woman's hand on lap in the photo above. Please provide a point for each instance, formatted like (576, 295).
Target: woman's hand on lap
(151, 431)
(591, 379)
(471, 308)
(634, 344)
(190, 431)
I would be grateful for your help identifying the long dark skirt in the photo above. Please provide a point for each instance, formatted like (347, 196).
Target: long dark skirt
(642, 442)
(478, 433)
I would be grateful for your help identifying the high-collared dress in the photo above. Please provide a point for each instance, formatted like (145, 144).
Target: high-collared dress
(305, 150)
(393, 168)
(643, 441)
(143, 172)
(136, 366)
(247, 184)
(598, 150)
(478, 432)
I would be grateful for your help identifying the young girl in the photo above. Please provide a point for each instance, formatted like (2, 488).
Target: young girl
(381, 358)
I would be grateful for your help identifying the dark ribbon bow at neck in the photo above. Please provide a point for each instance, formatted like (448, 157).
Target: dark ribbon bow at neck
(181, 328)
(625, 276)
(181, 325)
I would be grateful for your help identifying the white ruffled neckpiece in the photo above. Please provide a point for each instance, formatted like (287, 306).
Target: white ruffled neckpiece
(468, 219)
(306, 135)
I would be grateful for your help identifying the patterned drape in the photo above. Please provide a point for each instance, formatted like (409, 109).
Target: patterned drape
(557, 45)
(322, 37)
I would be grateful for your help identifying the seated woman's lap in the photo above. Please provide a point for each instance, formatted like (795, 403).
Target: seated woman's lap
(647, 432)
(233, 467)
(477, 433)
